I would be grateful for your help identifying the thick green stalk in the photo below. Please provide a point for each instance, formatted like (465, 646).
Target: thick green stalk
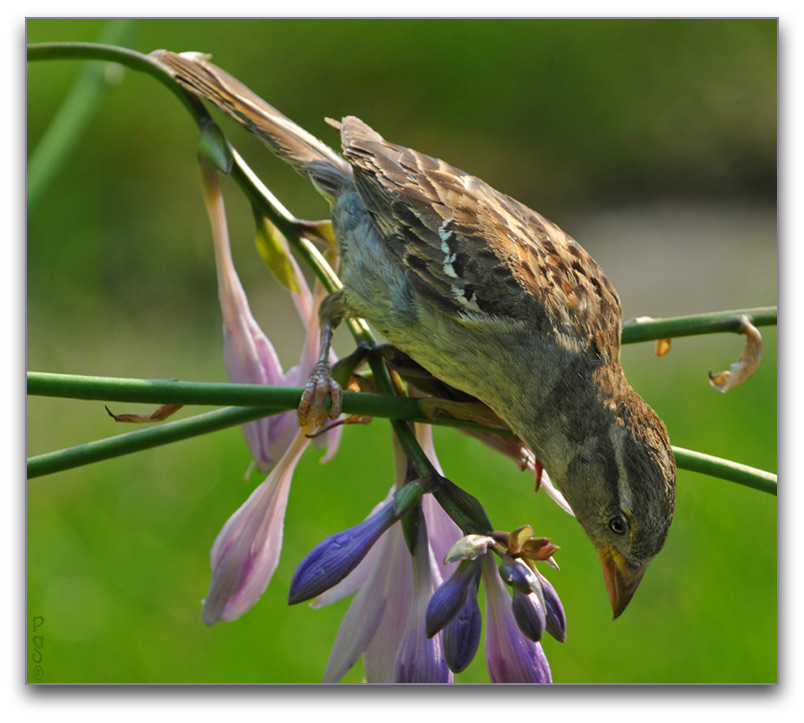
(725, 469)
(168, 391)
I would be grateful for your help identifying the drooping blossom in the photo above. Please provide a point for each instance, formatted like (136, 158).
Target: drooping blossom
(246, 552)
(380, 616)
(420, 658)
(511, 656)
(248, 355)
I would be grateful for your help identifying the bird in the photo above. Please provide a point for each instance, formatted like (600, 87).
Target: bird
(491, 298)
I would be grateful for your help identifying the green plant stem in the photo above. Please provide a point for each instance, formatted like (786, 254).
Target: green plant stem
(633, 331)
(142, 439)
(169, 391)
(725, 469)
(636, 330)
(130, 58)
(259, 401)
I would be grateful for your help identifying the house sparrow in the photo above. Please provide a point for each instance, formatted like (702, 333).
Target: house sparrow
(491, 298)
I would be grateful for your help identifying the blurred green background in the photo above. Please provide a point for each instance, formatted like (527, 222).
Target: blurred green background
(653, 142)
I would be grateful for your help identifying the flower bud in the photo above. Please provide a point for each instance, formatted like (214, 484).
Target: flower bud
(334, 558)
(461, 635)
(556, 619)
(450, 597)
(469, 547)
(529, 614)
(519, 575)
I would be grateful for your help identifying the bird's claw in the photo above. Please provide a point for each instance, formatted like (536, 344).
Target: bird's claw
(311, 408)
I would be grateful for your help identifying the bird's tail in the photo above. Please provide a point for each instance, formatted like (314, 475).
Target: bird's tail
(328, 171)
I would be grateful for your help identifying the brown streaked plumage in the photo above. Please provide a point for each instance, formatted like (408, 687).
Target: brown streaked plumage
(491, 298)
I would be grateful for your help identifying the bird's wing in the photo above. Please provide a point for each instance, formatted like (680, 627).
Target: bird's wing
(472, 250)
(308, 155)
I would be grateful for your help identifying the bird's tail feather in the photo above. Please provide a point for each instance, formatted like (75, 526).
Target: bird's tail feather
(328, 171)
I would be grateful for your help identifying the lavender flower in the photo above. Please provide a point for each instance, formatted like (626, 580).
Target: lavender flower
(420, 657)
(246, 552)
(248, 355)
(510, 656)
(379, 617)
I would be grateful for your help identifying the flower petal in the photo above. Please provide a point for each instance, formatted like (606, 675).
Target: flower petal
(245, 553)
(377, 613)
(420, 659)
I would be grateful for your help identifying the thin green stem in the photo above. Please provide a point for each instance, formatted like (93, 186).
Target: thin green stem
(256, 401)
(646, 329)
(142, 439)
(112, 53)
(725, 469)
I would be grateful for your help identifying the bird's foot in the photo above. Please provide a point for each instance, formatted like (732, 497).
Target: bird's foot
(312, 408)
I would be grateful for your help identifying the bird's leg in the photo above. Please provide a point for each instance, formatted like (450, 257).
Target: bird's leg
(321, 383)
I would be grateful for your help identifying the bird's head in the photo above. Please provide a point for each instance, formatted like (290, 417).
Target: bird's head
(621, 485)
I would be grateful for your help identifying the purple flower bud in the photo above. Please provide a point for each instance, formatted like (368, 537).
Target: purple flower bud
(450, 597)
(519, 575)
(556, 619)
(462, 634)
(334, 558)
(529, 614)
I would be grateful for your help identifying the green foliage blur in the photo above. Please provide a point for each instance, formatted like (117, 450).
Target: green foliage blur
(653, 142)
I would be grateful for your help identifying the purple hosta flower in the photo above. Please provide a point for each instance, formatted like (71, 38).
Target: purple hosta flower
(378, 617)
(555, 618)
(515, 625)
(335, 557)
(454, 609)
(248, 355)
(246, 551)
(420, 658)
(511, 656)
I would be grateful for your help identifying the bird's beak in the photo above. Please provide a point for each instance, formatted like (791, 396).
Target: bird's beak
(621, 581)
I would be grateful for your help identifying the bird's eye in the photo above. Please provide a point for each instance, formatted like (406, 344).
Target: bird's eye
(617, 525)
